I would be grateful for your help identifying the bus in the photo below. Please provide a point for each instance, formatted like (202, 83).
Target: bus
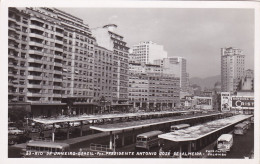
(178, 127)
(148, 139)
(240, 129)
(225, 142)
(45, 149)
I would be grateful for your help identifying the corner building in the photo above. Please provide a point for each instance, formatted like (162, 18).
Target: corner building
(55, 55)
(107, 38)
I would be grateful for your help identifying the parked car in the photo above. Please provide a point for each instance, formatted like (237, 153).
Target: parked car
(14, 130)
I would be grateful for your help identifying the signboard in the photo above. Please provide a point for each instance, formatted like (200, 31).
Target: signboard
(242, 102)
(225, 101)
(204, 101)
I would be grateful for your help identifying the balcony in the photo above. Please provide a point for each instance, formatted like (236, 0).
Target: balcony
(57, 80)
(36, 35)
(57, 72)
(56, 95)
(57, 87)
(34, 77)
(29, 94)
(59, 42)
(32, 26)
(34, 86)
(59, 34)
(58, 49)
(35, 69)
(32, 43)
(57, 64)
(32, 60)
(13, 37)
(58, 57)
(35, 52)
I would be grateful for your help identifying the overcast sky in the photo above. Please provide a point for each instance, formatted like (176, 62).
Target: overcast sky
(196, 34)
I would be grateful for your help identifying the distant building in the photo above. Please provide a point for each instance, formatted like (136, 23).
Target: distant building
(176, 66)
(147, 52)
(232, 68)
(150, 89)
(246, 84)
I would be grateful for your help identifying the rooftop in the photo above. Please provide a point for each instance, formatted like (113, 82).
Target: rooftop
(199, 131)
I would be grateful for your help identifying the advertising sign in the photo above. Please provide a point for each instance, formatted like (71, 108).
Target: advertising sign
(244, 102)
(204, 101)
(225, 101)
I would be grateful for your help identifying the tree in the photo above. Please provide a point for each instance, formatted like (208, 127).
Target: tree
(17, 115)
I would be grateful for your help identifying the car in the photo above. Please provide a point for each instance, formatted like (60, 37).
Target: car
(14, 130)
(50, 126)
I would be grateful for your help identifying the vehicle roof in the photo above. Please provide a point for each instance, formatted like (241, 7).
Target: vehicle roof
(240, 125)
(151, 133)
(225, 137)
(181, 125)
(47, 144)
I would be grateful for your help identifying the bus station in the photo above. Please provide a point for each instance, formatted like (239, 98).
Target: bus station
(133, 122)
(194, 139)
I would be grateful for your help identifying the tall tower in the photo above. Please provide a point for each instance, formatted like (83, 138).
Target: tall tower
(147, 52)
(232, 68)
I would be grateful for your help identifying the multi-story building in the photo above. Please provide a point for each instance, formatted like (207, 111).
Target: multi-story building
(51, 61)
(147, 52)
(176, 66)
(103, 76)
(150, 89)
(107, 38)
(18, 26)
(144, 68)
(246, 84)
(78, 63)
(232, 68)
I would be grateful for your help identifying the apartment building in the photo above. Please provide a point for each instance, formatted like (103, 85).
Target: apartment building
(18, 26)
(51, 61)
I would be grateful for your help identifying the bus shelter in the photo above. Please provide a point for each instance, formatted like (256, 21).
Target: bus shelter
(195, 138)
(163, 123)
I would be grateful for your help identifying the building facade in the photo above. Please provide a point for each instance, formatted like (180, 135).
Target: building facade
(149, 89)
(176, 66)
(103, 77)
(147, 52)
(18, 26)
(50, 62)
(232, 68)
(107, 38)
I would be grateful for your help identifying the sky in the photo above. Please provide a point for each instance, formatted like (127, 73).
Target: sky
(196, 34)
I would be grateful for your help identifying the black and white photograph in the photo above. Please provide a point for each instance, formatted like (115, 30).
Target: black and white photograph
(152, 80)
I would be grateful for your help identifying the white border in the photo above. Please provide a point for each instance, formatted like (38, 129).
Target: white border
(120, 4)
